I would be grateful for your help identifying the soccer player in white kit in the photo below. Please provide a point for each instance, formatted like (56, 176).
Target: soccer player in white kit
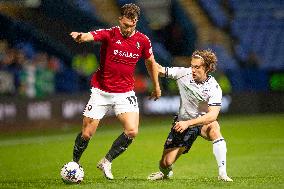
(199, 108)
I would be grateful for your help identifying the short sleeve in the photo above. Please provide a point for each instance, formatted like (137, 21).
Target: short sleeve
(215, 95)
(101, 34)
(147, 49)
(176, 72)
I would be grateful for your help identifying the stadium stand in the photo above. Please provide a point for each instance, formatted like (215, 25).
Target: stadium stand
(256, 30)
(258, 26)
(215, 12)
(247, 37)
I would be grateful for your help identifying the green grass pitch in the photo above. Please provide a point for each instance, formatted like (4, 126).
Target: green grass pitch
(255, 157)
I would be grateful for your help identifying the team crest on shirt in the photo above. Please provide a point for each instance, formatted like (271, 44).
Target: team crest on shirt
(138, 45)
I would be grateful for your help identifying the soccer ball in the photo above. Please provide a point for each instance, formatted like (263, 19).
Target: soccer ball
(72, 172)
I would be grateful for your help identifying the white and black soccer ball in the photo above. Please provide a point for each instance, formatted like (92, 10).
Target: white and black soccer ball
(72, 172)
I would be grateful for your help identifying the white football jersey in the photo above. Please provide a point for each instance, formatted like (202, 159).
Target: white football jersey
(195, 97)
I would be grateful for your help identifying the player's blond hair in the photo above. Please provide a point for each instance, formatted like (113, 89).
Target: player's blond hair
(130, 11)
(209, 58)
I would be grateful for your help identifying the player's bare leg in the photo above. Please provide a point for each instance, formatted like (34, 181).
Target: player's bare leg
(130, 122)
(89, 128)
(166, 163)
(212, 132)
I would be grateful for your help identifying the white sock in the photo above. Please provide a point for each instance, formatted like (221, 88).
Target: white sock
(220, 150)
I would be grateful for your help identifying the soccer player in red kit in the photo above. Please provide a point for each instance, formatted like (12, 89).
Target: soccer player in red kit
(113, 83)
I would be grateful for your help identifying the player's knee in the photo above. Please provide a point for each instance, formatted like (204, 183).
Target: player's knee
(166, 162)
(132, 133)
(86, 135)
(89, 128)
(214, 133)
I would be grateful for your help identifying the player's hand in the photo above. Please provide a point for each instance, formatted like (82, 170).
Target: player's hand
(156, 94)
(76, 36)
(181, 126)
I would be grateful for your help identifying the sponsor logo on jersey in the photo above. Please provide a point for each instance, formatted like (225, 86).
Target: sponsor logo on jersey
(118, 42)
(125, 54)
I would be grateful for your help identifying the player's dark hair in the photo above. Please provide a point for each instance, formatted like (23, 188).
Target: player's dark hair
(209, 58)
(130, 11)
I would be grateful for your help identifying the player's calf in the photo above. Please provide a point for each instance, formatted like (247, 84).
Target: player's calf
(118, 147)
(79, 147)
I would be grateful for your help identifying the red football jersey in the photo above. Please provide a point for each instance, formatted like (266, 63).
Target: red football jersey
(118, 57)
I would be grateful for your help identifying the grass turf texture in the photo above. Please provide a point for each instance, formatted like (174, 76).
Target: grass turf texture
(255, 157)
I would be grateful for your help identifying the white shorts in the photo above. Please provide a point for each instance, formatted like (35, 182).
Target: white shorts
(102, 103)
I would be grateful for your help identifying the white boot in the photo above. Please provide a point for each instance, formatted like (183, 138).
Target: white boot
(105, 166)
(160, 176)
(225, 178)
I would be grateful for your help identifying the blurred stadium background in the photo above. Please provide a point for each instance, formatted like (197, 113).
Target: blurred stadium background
(44, 86)
(44, 75)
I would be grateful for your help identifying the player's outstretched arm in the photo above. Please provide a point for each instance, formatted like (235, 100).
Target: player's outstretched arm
(81, 37)
(152, 69)
(209, 117)
(161, 70)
